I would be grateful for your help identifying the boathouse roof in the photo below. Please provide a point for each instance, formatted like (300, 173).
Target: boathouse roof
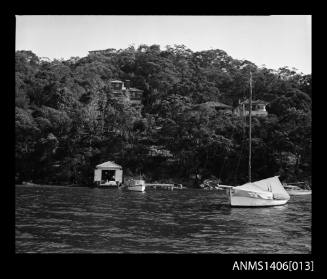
(108, 165)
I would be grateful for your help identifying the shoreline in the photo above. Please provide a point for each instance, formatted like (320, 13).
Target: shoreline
(53, 185)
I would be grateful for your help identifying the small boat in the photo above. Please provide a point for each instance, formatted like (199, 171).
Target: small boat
(136, 185)
(294, 190)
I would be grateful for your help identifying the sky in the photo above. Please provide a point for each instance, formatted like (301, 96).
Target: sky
(273, 41)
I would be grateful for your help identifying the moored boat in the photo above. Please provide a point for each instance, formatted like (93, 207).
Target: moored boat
(294, 190)
(266, 192)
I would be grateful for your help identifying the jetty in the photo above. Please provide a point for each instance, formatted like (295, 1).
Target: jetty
(164, 186)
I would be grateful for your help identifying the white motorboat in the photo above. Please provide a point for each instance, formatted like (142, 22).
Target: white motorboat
(137, 185)
(296, 190)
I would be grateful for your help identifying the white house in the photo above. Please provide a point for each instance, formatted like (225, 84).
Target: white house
(124, 91)
(258, 108)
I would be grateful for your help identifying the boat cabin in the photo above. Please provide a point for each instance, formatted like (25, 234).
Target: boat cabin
(108, 174)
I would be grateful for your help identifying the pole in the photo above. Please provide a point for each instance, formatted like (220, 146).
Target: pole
(250, 124)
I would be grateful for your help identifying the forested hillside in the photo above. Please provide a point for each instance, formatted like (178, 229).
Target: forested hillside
(67, 121)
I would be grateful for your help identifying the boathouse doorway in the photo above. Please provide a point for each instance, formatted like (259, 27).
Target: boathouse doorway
(108, 175)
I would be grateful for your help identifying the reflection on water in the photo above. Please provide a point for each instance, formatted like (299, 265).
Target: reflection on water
(84, 220)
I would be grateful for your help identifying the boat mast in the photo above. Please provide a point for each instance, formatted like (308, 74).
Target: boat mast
(250, 123)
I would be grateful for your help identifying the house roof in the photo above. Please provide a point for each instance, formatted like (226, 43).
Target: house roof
(215, 104)
(108, 164)
(116, 81)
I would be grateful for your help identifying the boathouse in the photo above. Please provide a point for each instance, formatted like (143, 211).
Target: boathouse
(108, 174)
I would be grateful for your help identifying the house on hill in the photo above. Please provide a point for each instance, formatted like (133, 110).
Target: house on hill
(124, 92)
(258, 108)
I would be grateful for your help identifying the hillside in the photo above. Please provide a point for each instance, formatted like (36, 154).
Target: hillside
(68, 121)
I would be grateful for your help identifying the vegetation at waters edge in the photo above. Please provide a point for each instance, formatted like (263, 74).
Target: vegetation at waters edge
(67, 120)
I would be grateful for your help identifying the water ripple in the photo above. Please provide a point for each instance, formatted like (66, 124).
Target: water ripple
(84, 220)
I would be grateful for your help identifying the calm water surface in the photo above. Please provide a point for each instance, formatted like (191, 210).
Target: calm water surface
(51, 219)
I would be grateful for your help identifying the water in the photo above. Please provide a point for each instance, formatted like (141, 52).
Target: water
(51, 219)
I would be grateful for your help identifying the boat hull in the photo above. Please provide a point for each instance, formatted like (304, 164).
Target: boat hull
(236, 201)
(266, 192)
(244, 199)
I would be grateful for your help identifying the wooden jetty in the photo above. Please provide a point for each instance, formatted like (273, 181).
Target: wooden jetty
(164, 186)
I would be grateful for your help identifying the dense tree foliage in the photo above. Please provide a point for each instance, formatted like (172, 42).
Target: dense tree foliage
(67, 120)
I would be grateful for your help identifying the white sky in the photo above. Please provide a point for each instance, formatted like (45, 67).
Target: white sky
(275, 41)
